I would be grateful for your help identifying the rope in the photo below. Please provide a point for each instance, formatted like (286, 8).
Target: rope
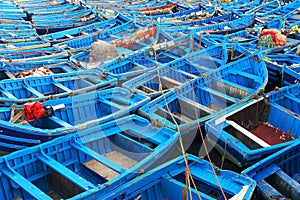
(188, 174)
(224, 153)
(207, 154)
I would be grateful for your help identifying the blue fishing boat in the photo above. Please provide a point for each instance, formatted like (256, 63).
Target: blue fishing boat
(63, 23)
(80, 164)
(46, 120)
(62, 8)
(273, 48)
(23, 45)
(178, 72)
(208, 26)
(243, 36)
(65, 15)
(270, 14)
(45, 87)
(127, 36)
(55, 66)
(42, 3)
(210, 95)
(265, 8)
(17, 35)
(165, 49)
(10, 11)
(168, 181)
(62, 36)
(23, 55)
(277, 176)
(11, 27)
(124, 6)
(168, 10)
(242, 7)
(258, 128)
(123, 68)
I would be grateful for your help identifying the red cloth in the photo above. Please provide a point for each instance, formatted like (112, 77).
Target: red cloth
(33, 110)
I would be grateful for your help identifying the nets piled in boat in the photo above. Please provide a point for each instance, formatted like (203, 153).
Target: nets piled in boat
(41, 71)
(101, 51)
(266, 41)
(277, 38)
(140, 35)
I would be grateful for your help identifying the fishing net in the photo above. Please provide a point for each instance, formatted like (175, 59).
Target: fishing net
(266, 41)
(101, 51)
(275, 35)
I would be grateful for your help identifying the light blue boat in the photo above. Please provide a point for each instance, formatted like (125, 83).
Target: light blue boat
(80, 164)
(55, 66)
(178, 72)
(168, 181)
(73, 113)
(210, 95)
(42, 88)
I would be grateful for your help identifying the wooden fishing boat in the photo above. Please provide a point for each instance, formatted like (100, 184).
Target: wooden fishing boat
(164, 12)
(283, 70)
(86, 162)
(31, 122)
(200, 18)
(54, 66)
(17, 33)
(62, 36)
(10, 16)
(127, 36)
(62, 8)
(234, 24)
(270, 17)
(45, 53)
(11, 27)
(166, 49)
(277, 176)
(258, 128)
(178, 72)
(168, 181)
(241, 7)
(20, 45)
(42, 3)
(123, 68)
(243, 36)
(63, 23)
(210, 95)
(65, 15)
(122, 5)
(276, 50)
(265, 8)
(39, 87)
(14, 21)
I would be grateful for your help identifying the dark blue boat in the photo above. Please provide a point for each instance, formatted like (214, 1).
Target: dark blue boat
(283, 70)
(80, 164)
(278, 175)
(257, 128)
